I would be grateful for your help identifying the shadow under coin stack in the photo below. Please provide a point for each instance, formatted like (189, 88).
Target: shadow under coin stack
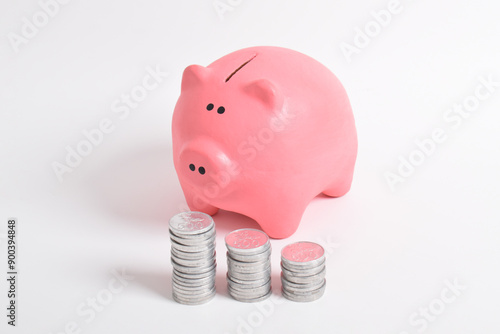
(248, 265)
(303, 271)
(193, 257)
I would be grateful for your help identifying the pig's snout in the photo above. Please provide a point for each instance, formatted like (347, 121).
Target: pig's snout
(202, 163)
(197, 164)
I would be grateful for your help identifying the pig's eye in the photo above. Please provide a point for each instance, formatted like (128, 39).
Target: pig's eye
(210, 106)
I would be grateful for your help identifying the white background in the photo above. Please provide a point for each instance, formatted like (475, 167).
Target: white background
(390, 251)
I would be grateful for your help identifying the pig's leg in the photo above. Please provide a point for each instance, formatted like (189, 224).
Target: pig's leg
(198, 203)
(339, 187)
(280, 217)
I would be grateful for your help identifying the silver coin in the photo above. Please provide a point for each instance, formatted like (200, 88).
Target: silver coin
(250, 276)
(238, 263)
(194, 263)
(247, 259)
(313, 279)
(192, 291)
(250, 292)
(301, 299)
(311, 296)
(209, 261)
(188, 281)
(195, 276)
(247, 241)
(193, 249)
(201, 263)
(193, 255)
(251, 300)
(193, 282)
(198, 237)
(192, 285)
(253, 264)
(248, 268)
(193, 244)
(205, 254)
(302, 254)
(193, 270)
(247, 297)
(193, 300)
(209, 233)
(303, 272)
(189, 294)
(304, 293)
(305, 279)
(250, 258)
(199, 242)
(193, 237)
(307, 289)
(254, 282)
(249, 271)
(303, 266)
(247, 287)
(191, 222)
(290, 286)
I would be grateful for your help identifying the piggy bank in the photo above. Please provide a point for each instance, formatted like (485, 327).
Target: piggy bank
(261, 132)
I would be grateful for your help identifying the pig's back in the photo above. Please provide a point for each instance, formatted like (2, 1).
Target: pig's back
(320, 131)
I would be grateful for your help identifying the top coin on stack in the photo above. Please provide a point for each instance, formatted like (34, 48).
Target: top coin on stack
(303, 271)
(193, 257)
(248, 264)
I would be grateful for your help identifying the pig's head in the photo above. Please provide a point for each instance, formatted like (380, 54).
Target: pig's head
(219, 108)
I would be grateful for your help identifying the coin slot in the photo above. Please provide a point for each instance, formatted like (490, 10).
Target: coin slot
(239, 68)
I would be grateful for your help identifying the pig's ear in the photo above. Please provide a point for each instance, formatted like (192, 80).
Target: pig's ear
(265, 91)
(193, 76)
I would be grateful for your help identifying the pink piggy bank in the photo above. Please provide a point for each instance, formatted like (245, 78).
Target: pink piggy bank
(262, 131)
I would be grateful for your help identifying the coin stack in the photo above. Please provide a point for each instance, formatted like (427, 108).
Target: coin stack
(193, 257)
(303, 271)
(249, 265)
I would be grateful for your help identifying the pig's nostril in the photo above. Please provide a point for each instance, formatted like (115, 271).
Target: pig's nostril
(201, 169)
